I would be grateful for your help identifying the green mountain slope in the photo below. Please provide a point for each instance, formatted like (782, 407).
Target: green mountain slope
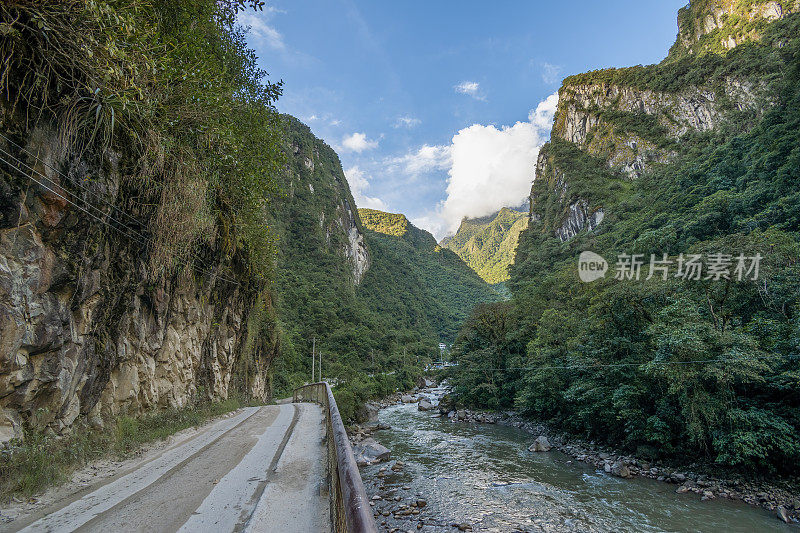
(699, 154)
(373, 300)
(488, 244)
(321, 260)
(416, 281)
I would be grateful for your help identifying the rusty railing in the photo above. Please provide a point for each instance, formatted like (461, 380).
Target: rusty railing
(350, 509)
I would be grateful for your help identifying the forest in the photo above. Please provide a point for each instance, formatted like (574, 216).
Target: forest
(690, 370)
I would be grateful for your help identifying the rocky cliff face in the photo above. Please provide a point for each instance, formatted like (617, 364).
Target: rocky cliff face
(724, 24)
(317, 183)
(85, 328)
(630, 122)
(582, 107)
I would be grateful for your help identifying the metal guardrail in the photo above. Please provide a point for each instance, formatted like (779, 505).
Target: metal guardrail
(350, 509)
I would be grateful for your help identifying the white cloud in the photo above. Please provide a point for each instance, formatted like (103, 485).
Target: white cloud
(542, 117)
(260, 28)
(426, 159)
(359, 182)
(432, 222)
(488, 167)
(407, 122)
(335, 122)
(551, 74)
(470, 88)
(358, 142)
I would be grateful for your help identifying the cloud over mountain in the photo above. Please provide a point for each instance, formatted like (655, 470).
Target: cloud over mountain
(359, 183)
(488, 167)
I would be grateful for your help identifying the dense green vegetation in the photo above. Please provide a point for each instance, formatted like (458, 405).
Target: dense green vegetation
(739, 25)
(377, 335)
(174, 89)
(487, 244)
(167, 95)
(317, 301)
(761, 61)
(572, 174)
(416, 281)
(617, 361)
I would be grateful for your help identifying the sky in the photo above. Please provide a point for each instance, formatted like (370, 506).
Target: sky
(437, 109)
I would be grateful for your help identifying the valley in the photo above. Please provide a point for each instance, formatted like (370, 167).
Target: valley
(184, 237)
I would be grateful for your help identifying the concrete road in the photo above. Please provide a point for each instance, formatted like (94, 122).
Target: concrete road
(263, 470)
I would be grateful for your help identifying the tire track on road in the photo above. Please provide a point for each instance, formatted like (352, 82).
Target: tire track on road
(73, 515)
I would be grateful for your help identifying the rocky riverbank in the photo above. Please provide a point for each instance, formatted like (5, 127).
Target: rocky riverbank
(782, 497)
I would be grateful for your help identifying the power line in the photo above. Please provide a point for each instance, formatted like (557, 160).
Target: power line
(76, 183)
(19, 161)
(133, 237)
(96, 195)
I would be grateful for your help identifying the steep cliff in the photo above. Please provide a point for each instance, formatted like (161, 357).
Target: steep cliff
(639, 117)
(321, 258)
(87, 329)
(314, 182)
(721, 25)
(487, 244)
(134, 258)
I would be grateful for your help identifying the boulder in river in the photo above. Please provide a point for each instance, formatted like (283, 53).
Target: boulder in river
(407, 398)
(368, 413)
(678, 477)
(541, 444)
(783, 514)
(620, 469)
(425, 405)
(446, 404)
(369, 451)
(425, 383)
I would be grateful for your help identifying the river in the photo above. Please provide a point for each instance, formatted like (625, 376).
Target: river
(483, 475)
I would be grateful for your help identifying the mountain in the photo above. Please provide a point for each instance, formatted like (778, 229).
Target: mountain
(415, 280)
(696, 155)
(488, 244)
(360, 285)
(321, 257)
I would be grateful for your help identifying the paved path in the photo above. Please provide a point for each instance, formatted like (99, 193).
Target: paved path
(262, 470)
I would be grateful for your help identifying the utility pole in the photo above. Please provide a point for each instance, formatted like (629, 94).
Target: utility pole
(319, 376)
(313, 358)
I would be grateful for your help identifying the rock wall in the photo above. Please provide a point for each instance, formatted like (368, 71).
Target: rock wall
(695, 108)
(701, 21)
(85, 330)
(576, 214)
(593, 115)
(356, 249)
(582, 109)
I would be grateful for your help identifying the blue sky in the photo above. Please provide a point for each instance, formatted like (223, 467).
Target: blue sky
(432, 106)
